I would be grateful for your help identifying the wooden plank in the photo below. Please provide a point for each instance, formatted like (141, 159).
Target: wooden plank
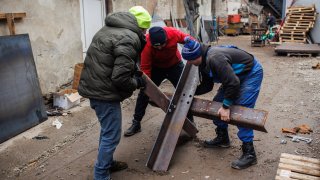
(289, 174)
(300, 158)
(15, 15)
(10, 23)
(294, 41)
(282, 178)
(293, 38)
(299, 169)
(302, 14)
(302, 17)
(299, 24)
(289, 19)
(300, 163)
(290, 32)
(289, 37)
(295, 28)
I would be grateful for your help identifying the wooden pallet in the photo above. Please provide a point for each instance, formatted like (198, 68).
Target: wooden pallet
(298, 167)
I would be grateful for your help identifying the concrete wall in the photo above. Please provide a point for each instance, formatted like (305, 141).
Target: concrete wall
(55, 34)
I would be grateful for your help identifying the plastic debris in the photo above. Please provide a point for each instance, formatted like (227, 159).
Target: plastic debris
(299, 138)
(57, 123)
(283, 141)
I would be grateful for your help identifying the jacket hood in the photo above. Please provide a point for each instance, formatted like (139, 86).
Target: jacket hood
(123, 20)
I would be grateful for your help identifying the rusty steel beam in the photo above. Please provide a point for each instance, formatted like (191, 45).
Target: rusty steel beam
(165, 144)
(240, 116)
(159, 99)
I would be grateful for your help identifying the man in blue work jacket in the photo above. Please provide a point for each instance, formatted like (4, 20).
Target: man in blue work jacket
(240, 75)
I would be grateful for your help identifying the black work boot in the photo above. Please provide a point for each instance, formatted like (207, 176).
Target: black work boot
(222, 139)
(248, 157)
(133, 129)
(118, 166)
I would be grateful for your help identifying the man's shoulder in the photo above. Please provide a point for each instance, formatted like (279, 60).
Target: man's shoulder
(171, 30)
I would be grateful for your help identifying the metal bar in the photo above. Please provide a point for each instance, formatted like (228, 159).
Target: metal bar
(162, 101)
(164, 146)
(240, 116)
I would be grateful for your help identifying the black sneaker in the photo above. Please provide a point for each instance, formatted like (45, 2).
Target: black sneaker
(248, 157)
(118, 166)
(133, 129)
(221, 141)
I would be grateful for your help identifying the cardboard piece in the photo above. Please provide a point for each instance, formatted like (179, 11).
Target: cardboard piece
(66, 99)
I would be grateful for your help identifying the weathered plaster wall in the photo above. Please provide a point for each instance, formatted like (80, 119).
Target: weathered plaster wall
(55, 34)
(205, 7)
(163, 7)
(221, 8)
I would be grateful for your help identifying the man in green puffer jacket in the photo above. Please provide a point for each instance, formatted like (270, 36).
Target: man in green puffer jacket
(109, 76)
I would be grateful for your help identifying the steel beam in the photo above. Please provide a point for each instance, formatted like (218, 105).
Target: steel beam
(240, 116)
(159, 99)
(165, 144)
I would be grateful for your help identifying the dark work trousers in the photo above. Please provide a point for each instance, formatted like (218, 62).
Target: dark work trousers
(157, 76)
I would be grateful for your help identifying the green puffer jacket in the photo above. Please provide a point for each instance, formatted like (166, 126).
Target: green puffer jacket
(110, 62)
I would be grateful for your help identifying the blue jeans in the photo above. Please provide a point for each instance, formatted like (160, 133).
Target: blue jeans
(250, 84)
(109, 116)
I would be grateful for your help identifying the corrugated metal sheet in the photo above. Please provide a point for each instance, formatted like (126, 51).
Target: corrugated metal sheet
(21, 105)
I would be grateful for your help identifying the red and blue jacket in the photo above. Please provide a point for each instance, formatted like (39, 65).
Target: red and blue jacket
(167, 57)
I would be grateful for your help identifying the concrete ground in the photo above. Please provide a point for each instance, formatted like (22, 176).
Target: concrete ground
(290, 93)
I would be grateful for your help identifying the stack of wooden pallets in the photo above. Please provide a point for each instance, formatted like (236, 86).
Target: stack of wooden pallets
(298, 167)
(298, 22)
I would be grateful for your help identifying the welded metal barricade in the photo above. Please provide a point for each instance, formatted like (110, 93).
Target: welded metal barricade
(177, 110)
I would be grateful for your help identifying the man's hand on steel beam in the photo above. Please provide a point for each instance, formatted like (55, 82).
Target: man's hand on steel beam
(224, 114)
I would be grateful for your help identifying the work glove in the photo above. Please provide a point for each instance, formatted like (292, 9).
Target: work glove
(140, 82)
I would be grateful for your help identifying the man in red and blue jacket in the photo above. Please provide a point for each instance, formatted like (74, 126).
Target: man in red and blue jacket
(160, 59)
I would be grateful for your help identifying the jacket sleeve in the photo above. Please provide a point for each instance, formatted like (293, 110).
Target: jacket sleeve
(124, 65)
(146, 60)
(180, 35)
(230, 81)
